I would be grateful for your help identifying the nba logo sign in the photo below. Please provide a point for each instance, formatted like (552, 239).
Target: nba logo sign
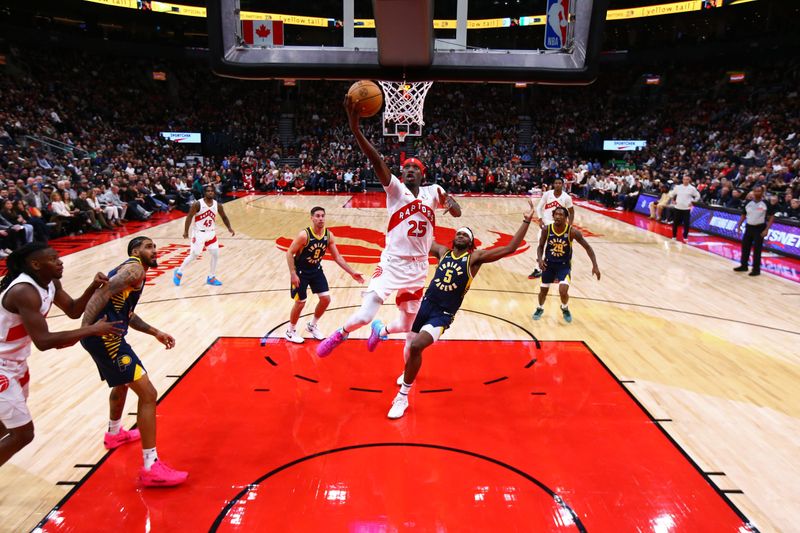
(555, 32)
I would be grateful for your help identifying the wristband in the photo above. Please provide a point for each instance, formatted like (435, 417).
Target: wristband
(526, 220)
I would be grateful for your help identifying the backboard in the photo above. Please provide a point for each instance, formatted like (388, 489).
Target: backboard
(413, 40)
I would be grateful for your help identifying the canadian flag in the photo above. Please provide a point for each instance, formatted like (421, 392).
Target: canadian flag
(263, 32)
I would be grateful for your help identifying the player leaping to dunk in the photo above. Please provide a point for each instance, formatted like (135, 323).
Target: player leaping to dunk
(404, 261)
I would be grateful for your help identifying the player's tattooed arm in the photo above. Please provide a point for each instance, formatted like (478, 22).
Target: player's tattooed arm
(140, 325)
(75, 307)
(128, 276)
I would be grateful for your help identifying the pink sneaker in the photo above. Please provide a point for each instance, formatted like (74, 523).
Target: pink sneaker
(123, 437)
(161, 475)
(325, 348)
(375, 335)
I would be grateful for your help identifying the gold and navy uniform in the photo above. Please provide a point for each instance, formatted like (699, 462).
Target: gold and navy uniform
(308, 264)
(446, 291)
(116, 361)
(557, 255)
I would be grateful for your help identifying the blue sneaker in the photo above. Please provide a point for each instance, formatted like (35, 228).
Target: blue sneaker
(375, 335)
(211, 280)
(538, 313)
(176, 278)
(567, 314)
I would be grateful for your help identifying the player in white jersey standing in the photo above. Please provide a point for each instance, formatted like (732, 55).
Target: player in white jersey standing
(204, 215)
(551, 199)
(27, 291)
(404, 261)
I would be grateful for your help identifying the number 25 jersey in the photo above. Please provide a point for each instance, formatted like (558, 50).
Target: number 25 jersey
(411, 220)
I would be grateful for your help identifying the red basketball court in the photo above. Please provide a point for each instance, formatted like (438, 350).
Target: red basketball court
(500, 436)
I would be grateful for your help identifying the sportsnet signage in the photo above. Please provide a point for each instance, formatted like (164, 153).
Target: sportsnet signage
(182, 137)
(623, 146)
(782, 238)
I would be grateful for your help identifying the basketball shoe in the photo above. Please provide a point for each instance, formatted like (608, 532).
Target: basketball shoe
(399, 406)
(315, 331)
(161, 475)
(176, 278)
(212, 280)
(327, 346)
(567, 314)
(535, 274)
(123, 437)
(538, 313)
(375, 335)
(292, 336)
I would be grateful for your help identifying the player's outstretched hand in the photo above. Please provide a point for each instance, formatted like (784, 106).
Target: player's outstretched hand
(185, 235)
(104, 327)
(232, 232)
(359, 277)
(596, 272)
(100, 279)
(166, 339)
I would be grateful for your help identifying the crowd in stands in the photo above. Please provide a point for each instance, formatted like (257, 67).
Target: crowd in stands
(107, 113)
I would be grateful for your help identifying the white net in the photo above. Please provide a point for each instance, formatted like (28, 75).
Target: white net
(403, 104)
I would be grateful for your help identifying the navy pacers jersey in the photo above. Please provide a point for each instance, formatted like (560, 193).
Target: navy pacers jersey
(558, 246)
(451, 281)
(310, 257)
(120, 307)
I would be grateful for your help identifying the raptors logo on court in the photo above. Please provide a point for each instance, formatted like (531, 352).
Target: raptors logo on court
(362, 245)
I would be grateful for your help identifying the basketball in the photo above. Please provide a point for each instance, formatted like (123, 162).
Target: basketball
(368, 97)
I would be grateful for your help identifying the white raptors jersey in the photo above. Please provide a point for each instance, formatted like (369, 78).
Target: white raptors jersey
(548, 204)
(15, 343)
(206, 217)
(411, 219)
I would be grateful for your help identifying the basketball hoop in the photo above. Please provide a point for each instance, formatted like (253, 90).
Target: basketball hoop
(403, 104)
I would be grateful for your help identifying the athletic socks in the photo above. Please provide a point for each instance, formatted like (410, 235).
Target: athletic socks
(405, 388)
(384, 331)
(114, 426)
(313, 321)
(150, 456)
(564, 306)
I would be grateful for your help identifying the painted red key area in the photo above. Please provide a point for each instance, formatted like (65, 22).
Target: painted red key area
(276, 439)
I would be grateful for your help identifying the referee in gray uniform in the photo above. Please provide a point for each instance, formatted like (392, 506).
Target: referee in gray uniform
(759, 214)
